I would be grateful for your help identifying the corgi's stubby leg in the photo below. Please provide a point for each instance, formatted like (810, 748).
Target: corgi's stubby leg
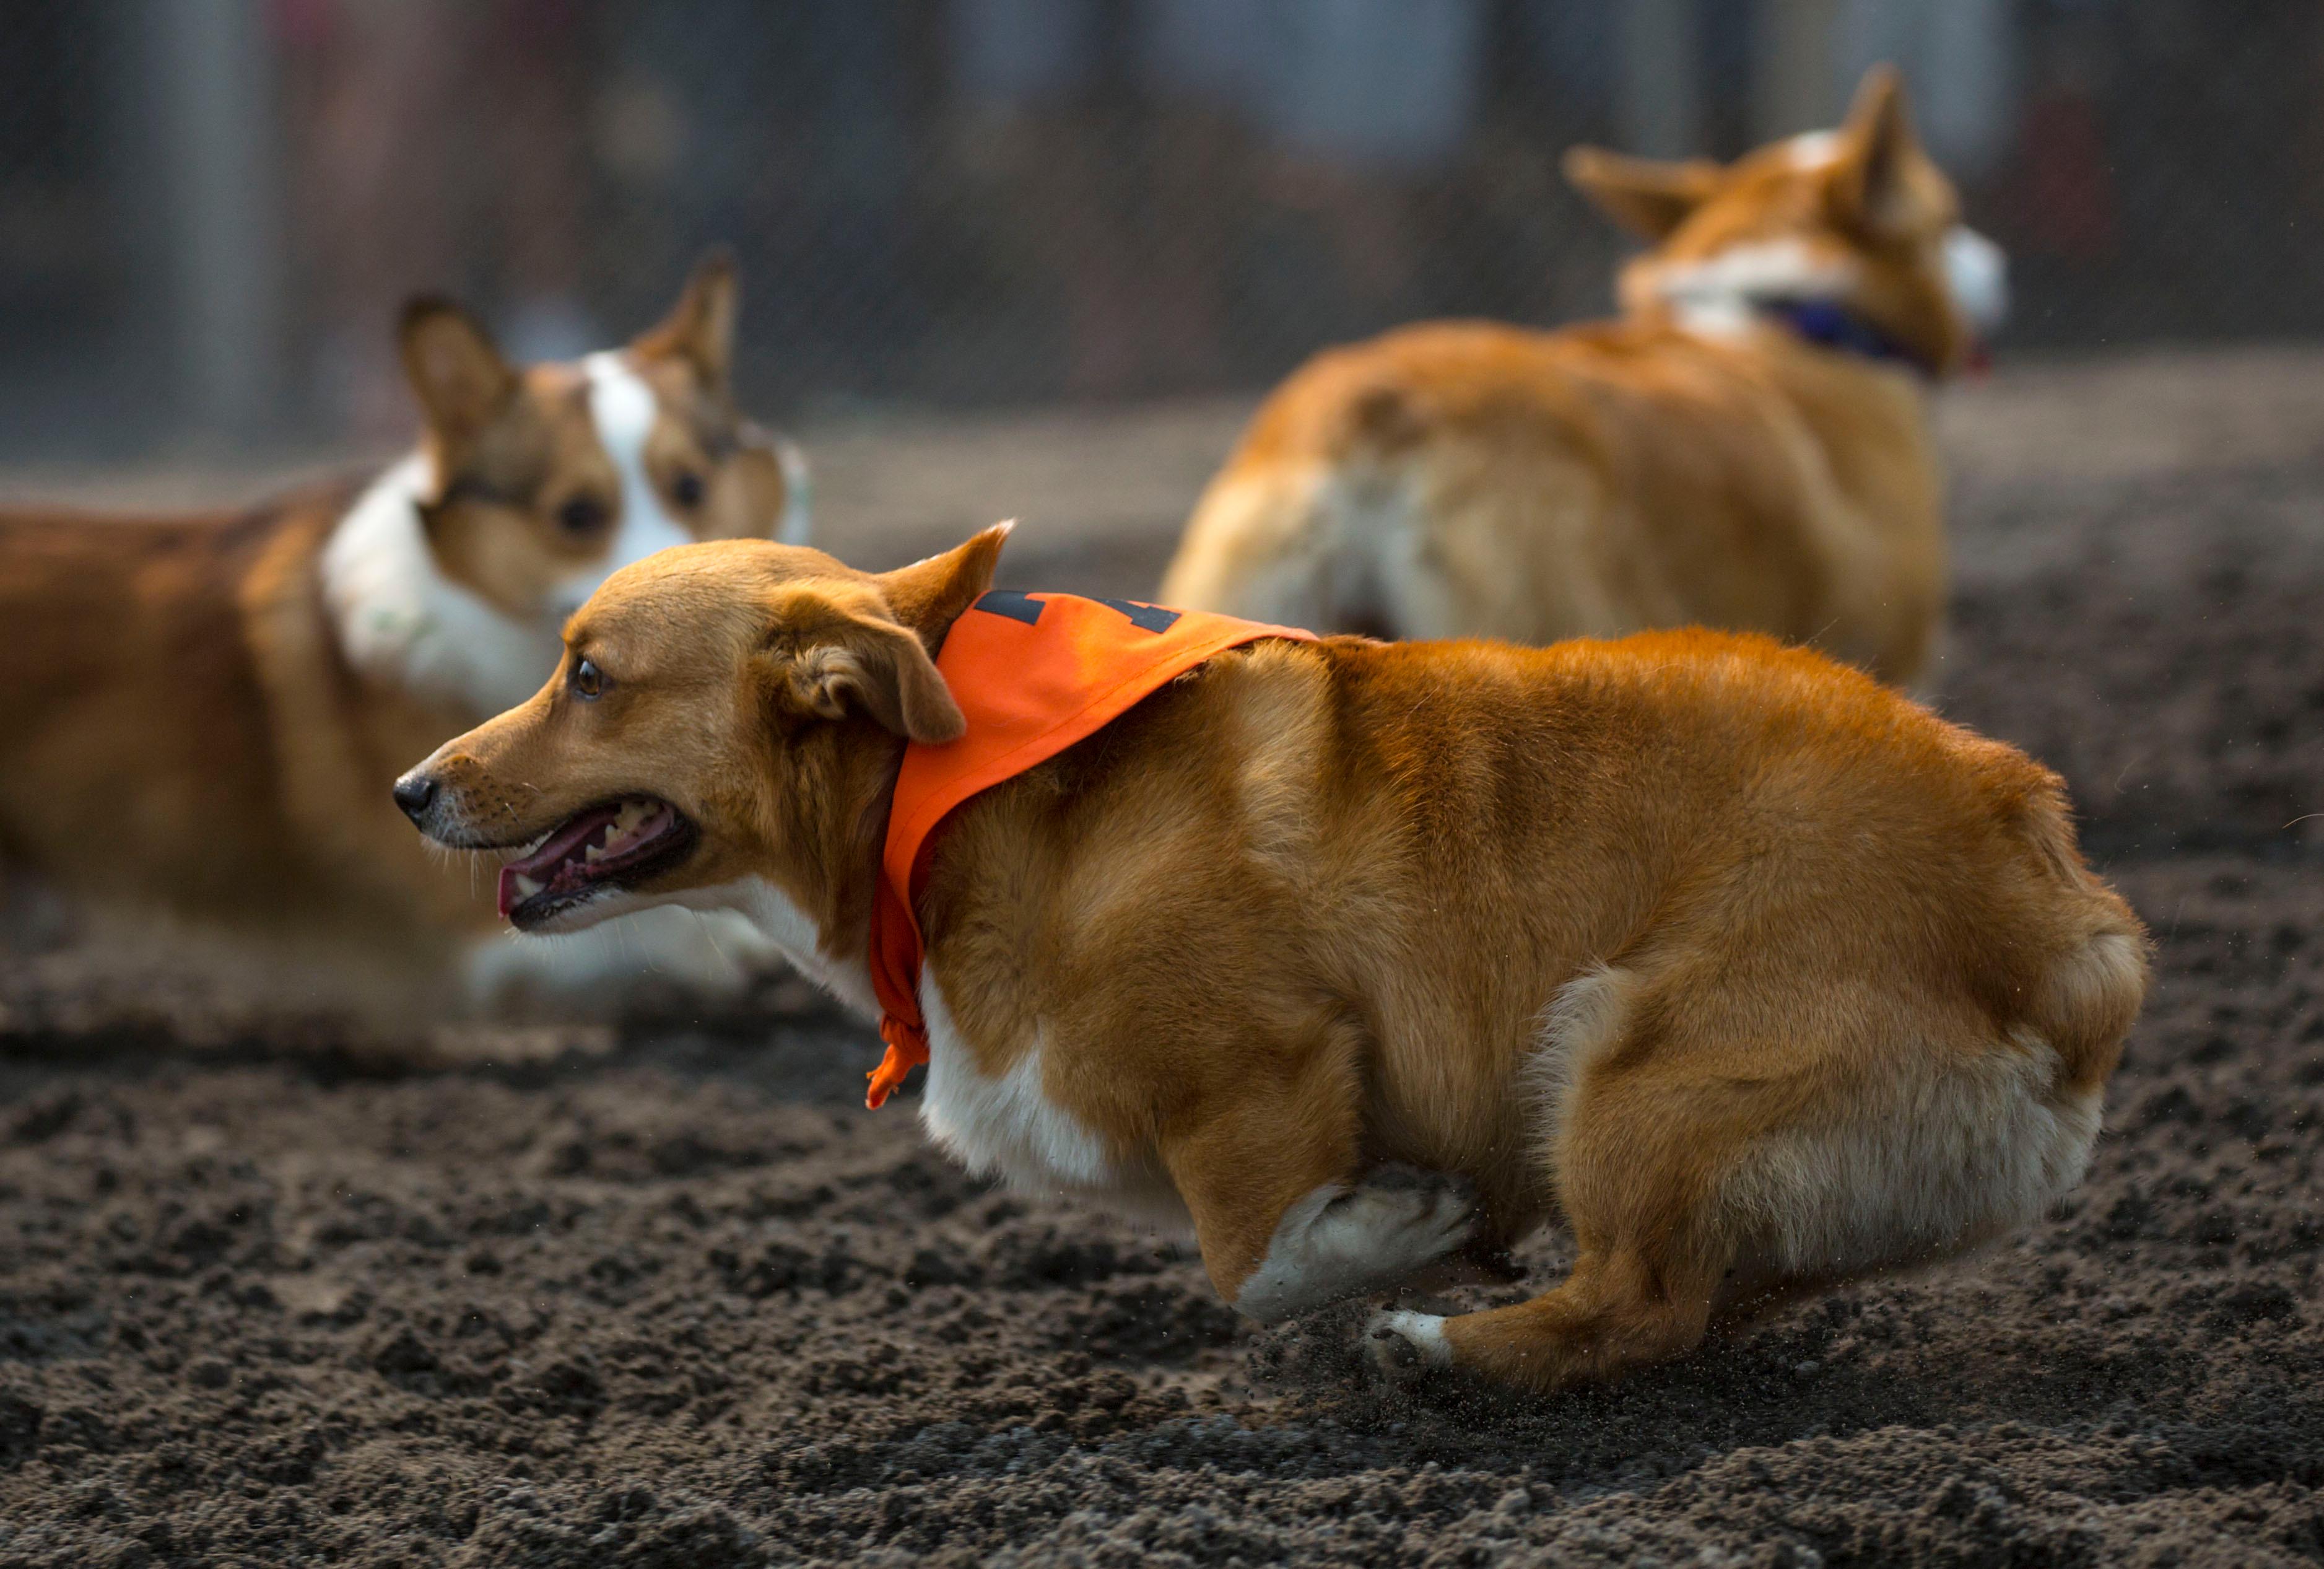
(1651, 1261)
(1613, 1312)
(1717, 1154)
(1637, 1148)
(1286, 1223)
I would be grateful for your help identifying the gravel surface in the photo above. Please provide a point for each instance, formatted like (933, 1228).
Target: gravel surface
(666, 1296)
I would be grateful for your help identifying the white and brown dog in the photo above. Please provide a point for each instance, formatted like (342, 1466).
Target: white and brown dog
(1755, 974)
(1747, 446)
(203, 713)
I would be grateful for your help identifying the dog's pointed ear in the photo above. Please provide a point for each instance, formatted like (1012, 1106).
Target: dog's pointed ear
(860, 661)
(458, 376)
(929, 595)
(700, 327)
(1879, 182)
(874, 653)
(1649, 196)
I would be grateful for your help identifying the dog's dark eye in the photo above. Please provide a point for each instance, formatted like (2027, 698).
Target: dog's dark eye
(685, 489)
(588, 680)
(581, 516)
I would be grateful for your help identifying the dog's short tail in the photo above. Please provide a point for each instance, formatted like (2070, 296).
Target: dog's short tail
(2084, 1000)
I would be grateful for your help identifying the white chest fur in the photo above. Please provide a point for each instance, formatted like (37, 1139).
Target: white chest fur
(792, 932)
(1009, 1126)
(1005, 1126)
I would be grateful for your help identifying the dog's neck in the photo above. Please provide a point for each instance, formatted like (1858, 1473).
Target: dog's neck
(1828, 324)
(827, 953)
(816, 873)
(1784, 283)
(405, 624)
(1810, 319)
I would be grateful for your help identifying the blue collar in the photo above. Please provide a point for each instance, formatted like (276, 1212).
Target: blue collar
(1835, 326)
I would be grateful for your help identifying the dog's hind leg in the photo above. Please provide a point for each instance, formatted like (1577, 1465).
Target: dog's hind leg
(1639, 1196)
(1621, 1307)
(1714, 1150)
(1287, 1219)
(1634, 1168)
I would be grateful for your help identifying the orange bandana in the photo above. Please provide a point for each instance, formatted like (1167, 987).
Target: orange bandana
(1033, 674)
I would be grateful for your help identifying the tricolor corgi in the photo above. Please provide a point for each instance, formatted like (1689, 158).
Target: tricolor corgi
(203, 713)
(1361, 957)
(1746, 447)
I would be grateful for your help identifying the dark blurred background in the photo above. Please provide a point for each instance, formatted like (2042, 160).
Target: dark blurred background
(210, 208)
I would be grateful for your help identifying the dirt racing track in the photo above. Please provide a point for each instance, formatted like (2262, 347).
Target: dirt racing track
(681, 1302)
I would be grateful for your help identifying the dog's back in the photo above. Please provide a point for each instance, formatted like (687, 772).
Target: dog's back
(1717, 791)
(131, 706)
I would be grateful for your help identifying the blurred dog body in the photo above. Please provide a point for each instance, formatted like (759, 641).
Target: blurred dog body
(205, 713)
(1746, 447)
(1369, 958)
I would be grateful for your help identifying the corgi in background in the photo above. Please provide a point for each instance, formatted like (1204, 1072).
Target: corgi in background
(205, 712)
(1746, 446)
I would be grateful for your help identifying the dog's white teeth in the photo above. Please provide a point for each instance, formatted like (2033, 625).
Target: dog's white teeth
(628, 820)
(526, 887)
(592, 853)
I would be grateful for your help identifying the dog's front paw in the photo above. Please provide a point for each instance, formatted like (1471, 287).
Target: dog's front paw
(1343, 1242)
(1411, 1214)
(1407, 1347)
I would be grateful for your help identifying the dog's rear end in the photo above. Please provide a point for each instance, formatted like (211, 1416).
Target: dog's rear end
(1806, 1071)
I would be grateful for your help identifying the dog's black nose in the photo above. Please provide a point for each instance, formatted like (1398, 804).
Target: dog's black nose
(414, 792)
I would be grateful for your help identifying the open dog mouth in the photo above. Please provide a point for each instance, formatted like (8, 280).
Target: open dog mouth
(614, 845)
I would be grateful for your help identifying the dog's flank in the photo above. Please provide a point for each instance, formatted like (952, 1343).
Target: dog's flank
(1753, 974)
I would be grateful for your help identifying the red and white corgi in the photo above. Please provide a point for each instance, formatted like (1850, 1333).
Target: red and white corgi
(1747, 446)
(203, 714)
(1360, 956)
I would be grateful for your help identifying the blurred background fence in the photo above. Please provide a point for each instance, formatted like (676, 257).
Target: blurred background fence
(210, 208)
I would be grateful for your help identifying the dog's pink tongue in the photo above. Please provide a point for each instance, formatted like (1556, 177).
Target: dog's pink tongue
(543, 864)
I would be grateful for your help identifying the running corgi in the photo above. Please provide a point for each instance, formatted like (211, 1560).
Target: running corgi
(203, 713)
(1747, 446)
(1363, 958)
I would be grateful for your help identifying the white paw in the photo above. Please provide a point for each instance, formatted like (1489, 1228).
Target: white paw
(1407, 1215)
(1407, 1347)
(1335, 1244)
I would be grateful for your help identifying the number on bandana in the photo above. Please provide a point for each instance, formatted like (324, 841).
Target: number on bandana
(1024, 607)
(1145, 617)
